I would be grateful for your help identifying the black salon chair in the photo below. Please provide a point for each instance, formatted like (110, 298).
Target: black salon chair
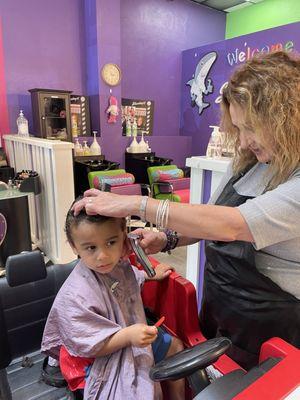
(26, 296)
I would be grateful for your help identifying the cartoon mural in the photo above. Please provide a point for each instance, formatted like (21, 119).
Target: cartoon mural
(198, 85)
(210, 66)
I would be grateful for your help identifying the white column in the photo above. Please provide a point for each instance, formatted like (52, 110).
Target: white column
(198, 167)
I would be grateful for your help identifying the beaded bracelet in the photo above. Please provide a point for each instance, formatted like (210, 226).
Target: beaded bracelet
(172, 241)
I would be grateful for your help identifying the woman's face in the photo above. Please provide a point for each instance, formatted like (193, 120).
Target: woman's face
(248, 138)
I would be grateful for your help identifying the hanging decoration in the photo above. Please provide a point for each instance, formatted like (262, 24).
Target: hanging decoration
(112, 110)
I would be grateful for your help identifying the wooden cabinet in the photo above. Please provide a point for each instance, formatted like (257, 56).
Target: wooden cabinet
(51, 113)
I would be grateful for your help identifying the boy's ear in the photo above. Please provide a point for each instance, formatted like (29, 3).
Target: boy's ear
(74, 249)
(126, 247)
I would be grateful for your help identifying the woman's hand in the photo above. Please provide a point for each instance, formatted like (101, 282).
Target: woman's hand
(162, 271)
(151, 242)
(108, 204)
(141, 335)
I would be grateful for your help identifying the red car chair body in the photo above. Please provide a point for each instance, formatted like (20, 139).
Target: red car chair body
(175, 299)
(278, 376)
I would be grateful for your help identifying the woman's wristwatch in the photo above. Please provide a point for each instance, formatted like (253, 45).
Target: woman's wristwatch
(172, 240)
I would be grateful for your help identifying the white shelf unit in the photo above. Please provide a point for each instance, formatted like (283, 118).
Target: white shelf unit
(198, 191)
(52, 160)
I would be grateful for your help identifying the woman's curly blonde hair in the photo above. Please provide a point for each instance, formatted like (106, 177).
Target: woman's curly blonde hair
(267, 87)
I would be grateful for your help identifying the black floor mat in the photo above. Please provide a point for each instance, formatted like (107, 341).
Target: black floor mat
(25, 382)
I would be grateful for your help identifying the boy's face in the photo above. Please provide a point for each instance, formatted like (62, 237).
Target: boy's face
(100, 246)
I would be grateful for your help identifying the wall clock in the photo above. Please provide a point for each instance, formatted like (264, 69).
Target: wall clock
(111, 74)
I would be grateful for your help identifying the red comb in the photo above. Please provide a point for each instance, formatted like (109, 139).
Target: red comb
(159, 322)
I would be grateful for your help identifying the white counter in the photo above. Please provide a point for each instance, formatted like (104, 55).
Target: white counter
(202, 186)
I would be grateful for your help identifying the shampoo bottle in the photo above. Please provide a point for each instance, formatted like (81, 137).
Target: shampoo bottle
(134, 146)
(78, 150)
(214, 147)
(22, 124)
(86, 149)
(143, 147)
(95, 148)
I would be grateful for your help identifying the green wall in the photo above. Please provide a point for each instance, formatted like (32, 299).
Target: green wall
(260, 16)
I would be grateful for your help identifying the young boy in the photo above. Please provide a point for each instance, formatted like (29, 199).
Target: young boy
(97, 322)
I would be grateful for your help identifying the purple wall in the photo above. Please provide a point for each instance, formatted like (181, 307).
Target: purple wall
(42, 48)
(63, 45)
(153, 35)
(109, 45)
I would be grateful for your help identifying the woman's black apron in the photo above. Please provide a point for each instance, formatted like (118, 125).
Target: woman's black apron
(241, 303)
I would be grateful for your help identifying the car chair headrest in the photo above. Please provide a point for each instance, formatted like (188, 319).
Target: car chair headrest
(25, 267)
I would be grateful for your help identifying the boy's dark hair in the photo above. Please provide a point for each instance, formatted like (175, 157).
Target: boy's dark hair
(73, 221)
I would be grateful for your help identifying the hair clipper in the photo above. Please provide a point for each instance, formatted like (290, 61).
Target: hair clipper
(141, 256)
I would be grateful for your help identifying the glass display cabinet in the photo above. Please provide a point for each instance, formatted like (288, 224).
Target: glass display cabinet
(51, 113)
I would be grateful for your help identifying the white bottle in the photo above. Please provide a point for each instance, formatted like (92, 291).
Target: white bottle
(95, 148)
(78, 150)
(134, 146)
(10, 184)
(86, 149)
(148, 147)
(214, 147)
(143, 147)
(22, 125)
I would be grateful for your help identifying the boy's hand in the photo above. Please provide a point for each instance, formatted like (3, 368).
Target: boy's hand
(162, 271)
(141, 335)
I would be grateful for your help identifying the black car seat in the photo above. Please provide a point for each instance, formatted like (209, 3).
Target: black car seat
(26, 296)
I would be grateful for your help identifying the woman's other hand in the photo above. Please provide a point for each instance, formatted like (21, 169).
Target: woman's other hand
(91, 192)
(151, 242)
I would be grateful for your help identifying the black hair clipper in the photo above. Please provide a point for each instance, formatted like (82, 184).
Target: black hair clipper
(140, 254)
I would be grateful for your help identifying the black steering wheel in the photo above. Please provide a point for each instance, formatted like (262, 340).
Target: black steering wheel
(190, 360)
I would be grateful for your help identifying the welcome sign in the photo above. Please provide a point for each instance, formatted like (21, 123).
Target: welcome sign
(206, 69)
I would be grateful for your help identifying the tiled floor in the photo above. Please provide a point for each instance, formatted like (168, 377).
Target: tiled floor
(176, 259)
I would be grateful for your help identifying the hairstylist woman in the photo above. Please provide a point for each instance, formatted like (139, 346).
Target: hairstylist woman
(252, 224)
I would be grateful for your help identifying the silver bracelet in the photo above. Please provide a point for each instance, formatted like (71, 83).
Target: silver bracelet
(162, 214)
(143, 207)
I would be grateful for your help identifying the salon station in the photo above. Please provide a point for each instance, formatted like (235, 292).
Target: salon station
(123, 96)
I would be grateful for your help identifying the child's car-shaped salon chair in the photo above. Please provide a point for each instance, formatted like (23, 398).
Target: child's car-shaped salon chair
(26, 296)
(168, 182)
(276, 376)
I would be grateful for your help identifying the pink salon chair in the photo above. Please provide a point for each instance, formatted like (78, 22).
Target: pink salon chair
(120, 182)
(168, 182)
